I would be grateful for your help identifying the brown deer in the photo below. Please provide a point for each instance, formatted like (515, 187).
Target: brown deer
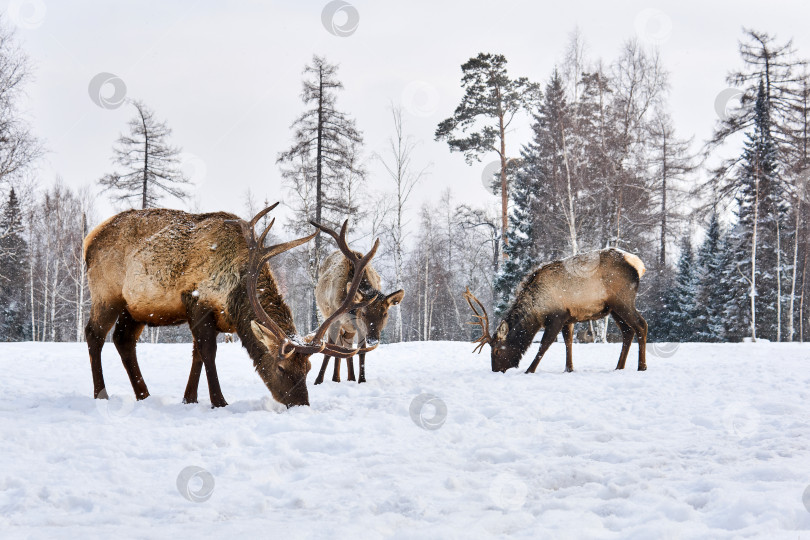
(335, 278)
(164, 267)
(556, 295)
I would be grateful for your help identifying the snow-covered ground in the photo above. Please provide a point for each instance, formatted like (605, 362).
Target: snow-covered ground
(713, 441)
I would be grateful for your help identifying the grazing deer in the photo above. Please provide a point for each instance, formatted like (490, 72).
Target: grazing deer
(581, 288)
(336, 276)
(163, 267)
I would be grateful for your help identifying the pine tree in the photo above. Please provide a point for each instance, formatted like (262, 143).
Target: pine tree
(481, 121)
(149, 165)
(13, 271)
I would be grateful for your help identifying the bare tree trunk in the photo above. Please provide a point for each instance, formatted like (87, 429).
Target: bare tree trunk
(145, 160)
(662, 258)
(778, 281)
(31, 285)
(426, 329)
(80, 299)
(318, 194)
(753, 292)
(504, 184)
(791, 326)
(45, 298)
(801, 300)
(570, 216)
(53, 300)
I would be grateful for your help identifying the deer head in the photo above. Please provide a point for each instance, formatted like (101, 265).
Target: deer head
(371, 320)
(286, 362)
(371, 317)
(502, 355)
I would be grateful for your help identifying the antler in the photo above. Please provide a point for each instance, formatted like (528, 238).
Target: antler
(359, 263)
(483, 321)
(258, 256)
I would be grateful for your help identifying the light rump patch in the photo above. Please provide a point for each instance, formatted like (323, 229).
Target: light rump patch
(634, 261)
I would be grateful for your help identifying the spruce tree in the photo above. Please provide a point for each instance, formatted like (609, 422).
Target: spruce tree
(519, 247)
(13, 261)
(682, 299)
(756, 240)
(712, 291)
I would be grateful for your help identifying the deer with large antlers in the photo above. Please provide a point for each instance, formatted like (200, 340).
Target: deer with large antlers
(556, 295)
(164, 267)
(365, 323)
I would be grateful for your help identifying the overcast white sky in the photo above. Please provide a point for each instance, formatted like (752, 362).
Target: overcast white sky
(227, 75)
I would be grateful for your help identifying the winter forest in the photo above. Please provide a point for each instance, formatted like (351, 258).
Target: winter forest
(721, 224)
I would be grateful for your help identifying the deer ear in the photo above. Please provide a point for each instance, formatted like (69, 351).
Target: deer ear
(503, 329)
(395, 297)
(263, 334)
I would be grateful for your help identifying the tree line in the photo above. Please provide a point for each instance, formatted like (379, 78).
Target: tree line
(603, 166)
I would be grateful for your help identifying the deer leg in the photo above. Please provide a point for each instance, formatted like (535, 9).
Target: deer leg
(553, 328)
(102, 318)
(641, 330)
(190, 395)
(634, 319)
(347, 340)
(336, 372)
(627, 339)
(319, 378)
(125, 337)
(350, 367)
(204, 331)
(362, 361)
(568, 336)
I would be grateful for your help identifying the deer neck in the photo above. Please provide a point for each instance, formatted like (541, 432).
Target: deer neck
(241, 313)
(523, 326)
